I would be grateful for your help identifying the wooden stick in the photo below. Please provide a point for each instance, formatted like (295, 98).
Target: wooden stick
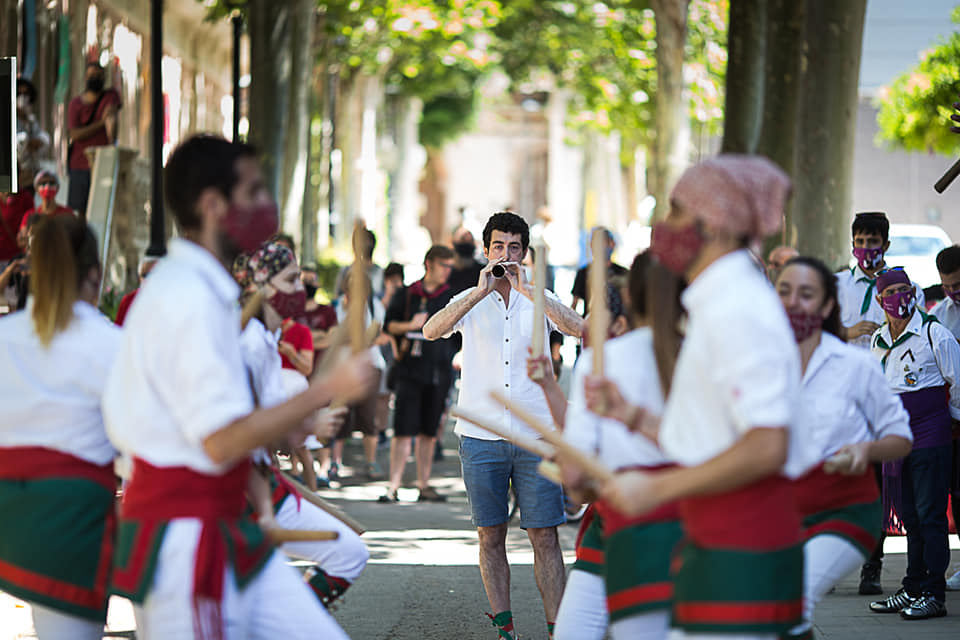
(251, 308)
(834, 463)
(536, 447)
(358, 291)
(279, 536)
(590, 465)
(539, 278)
(550, 471)
(317, 501)
(599, 320)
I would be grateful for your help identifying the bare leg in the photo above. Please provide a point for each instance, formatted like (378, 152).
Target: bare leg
(494, 570)
(370, 449)
(337, 453)
(424, 460)
(399, 451)
(306, 461)
(323, 457)
(548, 568)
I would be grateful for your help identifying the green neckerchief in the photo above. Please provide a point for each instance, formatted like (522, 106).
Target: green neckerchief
(870, 287)
(925, 318)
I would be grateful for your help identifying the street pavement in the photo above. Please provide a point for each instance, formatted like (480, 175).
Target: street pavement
(423, 582)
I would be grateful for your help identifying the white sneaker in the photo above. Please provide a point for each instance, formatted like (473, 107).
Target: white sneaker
(953, 582)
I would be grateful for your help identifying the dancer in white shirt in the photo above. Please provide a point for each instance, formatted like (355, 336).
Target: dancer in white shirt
(178, 402)
(729, 409)
(56, 464)
(846, 409)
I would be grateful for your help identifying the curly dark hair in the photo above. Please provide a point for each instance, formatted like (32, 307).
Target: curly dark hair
(507, 222)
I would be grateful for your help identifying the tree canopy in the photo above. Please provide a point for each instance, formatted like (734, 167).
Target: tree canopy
(914, 111)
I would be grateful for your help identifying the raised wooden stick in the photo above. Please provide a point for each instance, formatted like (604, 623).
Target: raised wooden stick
(599, 320)
(279, 536)
(317, 501)
(539, 278)
(536, 447)
(359, 290)
(590, 465)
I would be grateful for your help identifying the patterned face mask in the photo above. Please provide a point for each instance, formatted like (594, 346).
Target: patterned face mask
(676, 248)
(868, 259)
(899, 305)
(804, 324)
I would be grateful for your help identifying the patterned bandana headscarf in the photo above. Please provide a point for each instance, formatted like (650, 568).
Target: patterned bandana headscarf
(739, 194)
(253, 271)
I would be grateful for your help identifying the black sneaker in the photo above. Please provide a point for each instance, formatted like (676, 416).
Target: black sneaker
(926, 606)
(892, 604)
(870, 579)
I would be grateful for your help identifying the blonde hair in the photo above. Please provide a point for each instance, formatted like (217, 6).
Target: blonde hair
(62, 251)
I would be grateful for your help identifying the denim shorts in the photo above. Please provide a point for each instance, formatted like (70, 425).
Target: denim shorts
(489, 466)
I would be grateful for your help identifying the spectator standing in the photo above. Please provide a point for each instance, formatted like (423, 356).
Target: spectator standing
(92, 122)
(778, 257)
(423, 372)
(947, 311)
(466, 267)
(143, 269)
(580, 289)
(495, 319)
(46, 184)
(33, 143)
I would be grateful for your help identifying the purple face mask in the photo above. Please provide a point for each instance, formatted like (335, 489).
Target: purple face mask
(899, 305)
(868, 259)
(955, 296)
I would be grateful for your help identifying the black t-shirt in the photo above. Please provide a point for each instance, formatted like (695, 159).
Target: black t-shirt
(463, 279)
(428, 362)
(580, 282)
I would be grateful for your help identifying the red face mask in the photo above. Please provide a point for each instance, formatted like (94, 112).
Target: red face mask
(47, 191)
(676, 248)
(249, 228)
(288, 305)
(804, 324)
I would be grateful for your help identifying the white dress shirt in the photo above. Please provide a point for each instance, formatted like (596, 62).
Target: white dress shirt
(739, 367)
(856, 291)
(180, 375)
(948, 313)
(909, 363)
(629, 362)
(263, 363)
(844, 399)
(495, 341)
(50, 396)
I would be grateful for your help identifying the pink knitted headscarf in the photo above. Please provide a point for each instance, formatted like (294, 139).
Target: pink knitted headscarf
(739, 194)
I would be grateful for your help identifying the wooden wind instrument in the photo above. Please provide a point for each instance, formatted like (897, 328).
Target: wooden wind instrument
(590, 465)
(539, 321)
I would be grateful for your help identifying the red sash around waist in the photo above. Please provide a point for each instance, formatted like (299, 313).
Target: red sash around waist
(759, 517)
(163, 493)
(614, 520)
(33, 463)
(818, 491)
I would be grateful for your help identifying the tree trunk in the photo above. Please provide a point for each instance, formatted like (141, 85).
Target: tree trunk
(404, 184)
(669, 147)
(357, 141)
(746, 44)
(781, 104)
(828, 112)
(270, 69)
(434, 187)
(296, 139)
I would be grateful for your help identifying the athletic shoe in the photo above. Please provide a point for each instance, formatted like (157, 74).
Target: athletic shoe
(892, 604)
(333, 473)
(374, 472)
(429, 494)
(926, 606)
(953, 582)
(870, 579)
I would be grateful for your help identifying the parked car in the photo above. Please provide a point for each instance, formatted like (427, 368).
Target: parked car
(915, 247)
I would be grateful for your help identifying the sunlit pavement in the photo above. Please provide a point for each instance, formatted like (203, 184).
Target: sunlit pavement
(423, 580)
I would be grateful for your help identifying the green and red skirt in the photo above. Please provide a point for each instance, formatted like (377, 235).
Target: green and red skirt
(841, 505)
(741, 569)
(638, 552)
(590, 544)
(56, 542)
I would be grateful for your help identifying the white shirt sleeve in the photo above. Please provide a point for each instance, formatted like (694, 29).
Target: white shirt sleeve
(203, 379)
(580, 426)
(946, 350)
(882, 408)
